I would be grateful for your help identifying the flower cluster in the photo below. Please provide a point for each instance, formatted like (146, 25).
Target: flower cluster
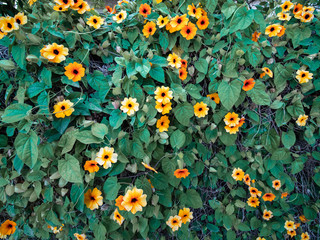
(56, 230)
(8, 24)
(184, 216)
(233, 122)
(163, 95)
(80, 6)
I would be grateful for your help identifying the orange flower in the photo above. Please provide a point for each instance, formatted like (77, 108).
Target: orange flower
(203, 22)
(297, 9)
(268, 197)
(231, 129)
(254, 192)
(7, 228)
(149, 29)
(181, 173)
(238, 174)
(248, 84)
(256, 36)
(268, 71)
(145, 10)
(186, 215)
(74, 71)
(303, 219)
(283, 195)
(273, 30)
(262, 75)
(149, 167)
(194, 12)
(178, 22)
(183, 73)
(282, 31)
(93, 199)
(134, 200)
(292, 233)
(276, 184)
(247, 179)
(119, 201)
(214, 97)
(189, 31)
(267, 215)
(163, 124)
(111, 10)
(184, 63)
(91, 166)
(241, 122)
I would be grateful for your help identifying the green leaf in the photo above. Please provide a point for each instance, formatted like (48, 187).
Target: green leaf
(26, 147)
(201, 65)
(111, 188)
(288, 139)
(19, 55)
(163, 40)
(270, 140)
(77, 196)
(228, 8)
(157, 74)
(183, 112)
(242, 19)
(254, 56)
(193, 199)
(298, 34)
(258, 94)
(159, 181)
(99, 231)
(99, 130)
(281, 75)
(86, 137)
(177, 139)
(69, 169)
(15, 112)
(143, 67)
(229, 93)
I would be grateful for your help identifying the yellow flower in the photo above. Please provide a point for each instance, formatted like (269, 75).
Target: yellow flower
(282, 31)
(286, 6)
(54, 53)
(7, 228)
(305, 236)
(63, 109)
(95, 21)
(117, 217)
(119, 200)
(174, 222)
(231, 119)
(303, 219)
(31, 2)
(254, 192)
(56, 230)
(163, 94)
(231, 129)
(8, 24)
(302, 120)
(200, 109)
(20, 18)
(145, 10)
(59, 8)
(163, 124)
(194, 12)
(186, 215)
(122, 15)
(82, 8)
(163, 108)
(64, 3)
(106, 156)
(273, 30)
(253, 202)
(238, 174)
(162, 21)
(174, 60)
(308, 9)
(2, 34)
(129, 106)
(181, 173)
(189, 31)
(297, 10)
(74, 71)
(178, 22)
(149, 29)
(267, 215)
(134, 200)
(149, 167)
(303, 76)
(93, 199)
(284, 16)
(267, 71)
(260, 238)
(292, 233)
(276, 184)
(91, 166)
(76, 4)
(214, 97)
(80, 236)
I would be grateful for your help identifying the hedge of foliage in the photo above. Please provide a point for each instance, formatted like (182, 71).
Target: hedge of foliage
(155, 120)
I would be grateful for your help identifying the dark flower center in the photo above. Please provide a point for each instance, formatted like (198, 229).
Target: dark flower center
(92, 198)
(95, 20)
(194, 11)
(10, 226)
(60, 8)
(144, 10)
(81, 6)
(286, 6)
(181, 171)
(56, 52)
(129, 105)
(212, 98)
(106, 156)
(272, 29)
(120, 16)
(174, 221)
(163, 94)
(174, 61)
(150, 29)
(65, 1)
(181, 73)
(92, 164)
(75, 71)
(162, 21)
(118, 216)
(133, 200)
(63, 108)
(18, 21)
(200, 109)
(185, 215)
(188, 30)
(9, 25)
(307, 16)
(231, 119)
(202, 22)
(246, 84)
(162, 123)
(237, 174)
(75, 1)
(179, 21)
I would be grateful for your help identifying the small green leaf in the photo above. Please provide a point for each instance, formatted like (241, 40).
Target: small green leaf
(69, 169)
(177, 139)
(15, 112)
